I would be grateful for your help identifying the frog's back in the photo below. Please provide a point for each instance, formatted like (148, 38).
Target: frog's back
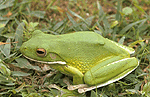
(83, 50)
(86, 37)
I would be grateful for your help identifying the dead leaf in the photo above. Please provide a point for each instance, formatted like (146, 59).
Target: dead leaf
(8, 14)
(60, 9)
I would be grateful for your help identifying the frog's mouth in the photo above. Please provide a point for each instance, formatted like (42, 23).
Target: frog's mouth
(55, 62)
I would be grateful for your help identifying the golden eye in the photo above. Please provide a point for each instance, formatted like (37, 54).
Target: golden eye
(41, 52)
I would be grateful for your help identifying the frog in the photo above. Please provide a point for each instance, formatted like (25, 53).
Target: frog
(88, 57)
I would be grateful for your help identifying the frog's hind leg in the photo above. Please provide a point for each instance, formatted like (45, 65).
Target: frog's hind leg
(98, 77)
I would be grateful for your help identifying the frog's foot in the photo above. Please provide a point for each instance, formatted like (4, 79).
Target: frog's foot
(74, 87)
(80, 86)
(89, 88)
(84, 88)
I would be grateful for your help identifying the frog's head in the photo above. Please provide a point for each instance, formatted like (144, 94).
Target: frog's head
(38, 49)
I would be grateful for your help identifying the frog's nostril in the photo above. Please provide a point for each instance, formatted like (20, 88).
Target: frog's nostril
(25, 48)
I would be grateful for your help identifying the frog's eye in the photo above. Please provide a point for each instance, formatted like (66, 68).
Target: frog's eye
(41, 52)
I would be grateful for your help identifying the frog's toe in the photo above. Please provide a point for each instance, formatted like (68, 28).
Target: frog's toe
(74, 87)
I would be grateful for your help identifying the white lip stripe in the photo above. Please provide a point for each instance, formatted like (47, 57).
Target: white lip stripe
(56, 62)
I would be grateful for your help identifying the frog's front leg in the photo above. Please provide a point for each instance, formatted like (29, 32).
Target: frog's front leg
(69, 70)
(103, 74)
(77, 75)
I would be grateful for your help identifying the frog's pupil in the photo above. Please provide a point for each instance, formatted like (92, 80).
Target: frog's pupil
(40, 52)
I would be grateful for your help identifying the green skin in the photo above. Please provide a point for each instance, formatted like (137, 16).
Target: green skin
(90, 58)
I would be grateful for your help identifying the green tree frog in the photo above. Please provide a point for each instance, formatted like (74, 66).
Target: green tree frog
(86, 56)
